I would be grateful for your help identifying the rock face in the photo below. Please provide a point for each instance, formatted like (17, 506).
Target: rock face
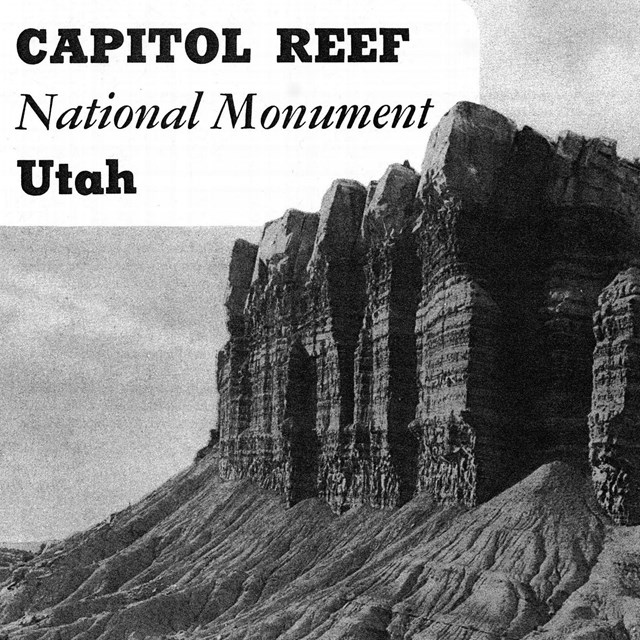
(426, 342)
(234, 394)
(385, 359)
(459, 322)
(261, 445)
(592, 234)
(334, 299)
(431, 333)
(613, 422)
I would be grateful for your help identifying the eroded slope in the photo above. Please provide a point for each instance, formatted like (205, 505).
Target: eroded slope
(205, 558)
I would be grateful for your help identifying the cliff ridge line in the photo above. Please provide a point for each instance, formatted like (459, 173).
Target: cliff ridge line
(432, 333)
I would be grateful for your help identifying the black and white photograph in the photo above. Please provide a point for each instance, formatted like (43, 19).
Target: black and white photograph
(320, 322)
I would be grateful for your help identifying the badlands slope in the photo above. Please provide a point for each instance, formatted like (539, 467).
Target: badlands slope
(203, 558)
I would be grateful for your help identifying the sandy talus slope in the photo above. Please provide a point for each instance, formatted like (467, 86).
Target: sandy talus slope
(201, 558)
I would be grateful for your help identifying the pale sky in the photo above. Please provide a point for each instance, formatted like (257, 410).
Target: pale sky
(564, 64)
(108, 340)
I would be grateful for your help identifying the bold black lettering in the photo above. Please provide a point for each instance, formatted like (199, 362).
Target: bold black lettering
(136, 55)
(191, 45)
(89, 183)
(69, 42)
(26, 176)
(24, 50)
(389, 43)
(101, 45)
(115, 177)
(231, 47)
(164, 36)
(359, 44)
(64, 175)
(326, 44)
(288, 45)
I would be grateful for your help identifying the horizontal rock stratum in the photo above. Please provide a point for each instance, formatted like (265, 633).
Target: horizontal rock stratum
(432, 333)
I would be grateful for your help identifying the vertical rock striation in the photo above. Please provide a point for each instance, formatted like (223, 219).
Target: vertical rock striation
(432, 333)
(385, 359)
(615, 415)
(590, 235)
(334, 299)
(459, 323)
(234, 394)
(517, 235)
(264, 451)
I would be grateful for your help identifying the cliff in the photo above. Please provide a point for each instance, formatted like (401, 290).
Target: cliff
(431, 333)
(613, 421)
(461, 344)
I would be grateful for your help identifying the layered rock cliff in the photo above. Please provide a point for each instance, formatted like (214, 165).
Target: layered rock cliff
(424, 342)
(384, 404)
(431, 333)
(613, 421)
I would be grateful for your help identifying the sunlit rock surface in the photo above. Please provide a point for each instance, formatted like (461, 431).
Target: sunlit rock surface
(433, 332)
